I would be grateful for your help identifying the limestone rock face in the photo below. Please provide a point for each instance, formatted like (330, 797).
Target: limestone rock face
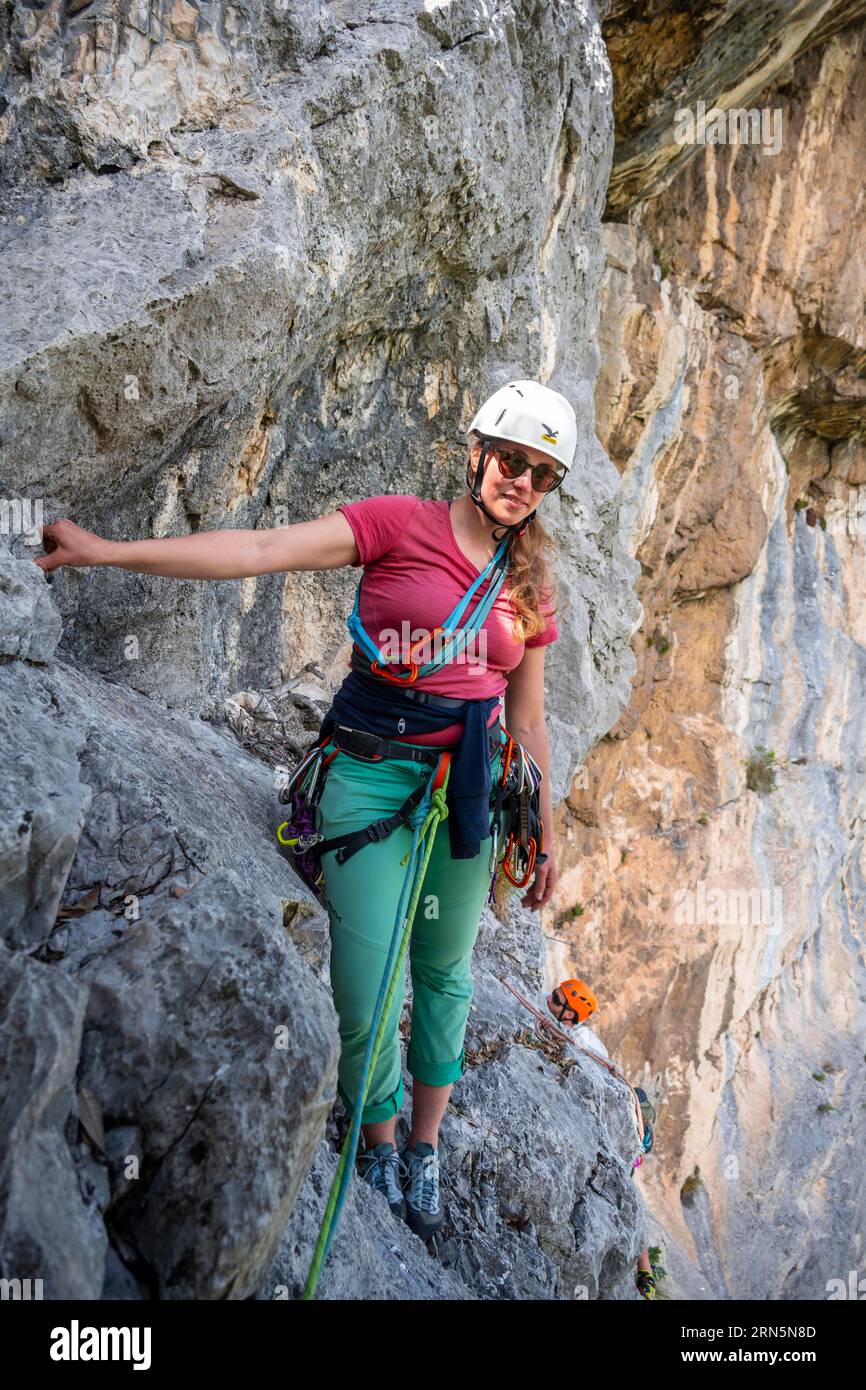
(160, 1024)
(715, 888)
(176, 1107)
(281, 257)
(668, 58)
(262, 260)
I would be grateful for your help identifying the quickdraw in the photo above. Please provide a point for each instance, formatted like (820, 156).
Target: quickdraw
(517, 796)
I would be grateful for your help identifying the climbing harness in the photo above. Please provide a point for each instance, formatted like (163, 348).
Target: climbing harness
(300, 833)
(515, 801)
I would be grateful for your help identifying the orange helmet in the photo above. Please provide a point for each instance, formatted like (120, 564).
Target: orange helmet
(578, 997)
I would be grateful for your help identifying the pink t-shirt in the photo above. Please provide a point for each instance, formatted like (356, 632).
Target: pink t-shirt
(414, 575)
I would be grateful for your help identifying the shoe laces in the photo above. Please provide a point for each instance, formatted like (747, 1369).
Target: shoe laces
(425, 1179)
(384, 1173)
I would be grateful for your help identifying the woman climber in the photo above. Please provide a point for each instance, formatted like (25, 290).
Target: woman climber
(412, 740)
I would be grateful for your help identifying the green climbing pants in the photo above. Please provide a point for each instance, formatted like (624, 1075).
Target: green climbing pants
(363, 896)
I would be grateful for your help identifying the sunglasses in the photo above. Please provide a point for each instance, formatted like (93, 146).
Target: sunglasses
(512, 463)
(564, 1007)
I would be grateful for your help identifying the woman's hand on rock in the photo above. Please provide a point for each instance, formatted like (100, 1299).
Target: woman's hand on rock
(65, 543)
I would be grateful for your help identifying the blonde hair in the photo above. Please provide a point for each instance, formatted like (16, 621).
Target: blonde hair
(531, 580)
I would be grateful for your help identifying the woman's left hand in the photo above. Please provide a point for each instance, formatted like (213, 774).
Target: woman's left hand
(541, 888)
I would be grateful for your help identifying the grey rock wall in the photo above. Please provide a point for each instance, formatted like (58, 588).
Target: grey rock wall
(279, 255)
(295, 292)
(177, 1107)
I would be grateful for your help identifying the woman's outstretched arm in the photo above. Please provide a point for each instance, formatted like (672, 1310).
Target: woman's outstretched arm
(324, 544)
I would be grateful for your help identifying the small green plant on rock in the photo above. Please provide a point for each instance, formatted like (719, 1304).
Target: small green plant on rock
(659, 642)
(691, 1187)
(661, 260)
(761, 770)
(659, 1271)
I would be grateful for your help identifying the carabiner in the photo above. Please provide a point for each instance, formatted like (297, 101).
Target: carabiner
(307, 841)
(422, 642)
(539, 775)
(491, 863)
(522, 765)
(286, 792)
(506, 866)
(398, 679)
(506, 762)
(316, 773)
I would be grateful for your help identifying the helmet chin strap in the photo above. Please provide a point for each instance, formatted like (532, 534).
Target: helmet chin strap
(518, 527)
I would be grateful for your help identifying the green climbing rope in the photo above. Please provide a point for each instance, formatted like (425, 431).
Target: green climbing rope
(433, 805)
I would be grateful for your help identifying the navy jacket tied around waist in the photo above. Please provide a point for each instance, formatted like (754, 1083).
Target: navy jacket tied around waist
(367, 702)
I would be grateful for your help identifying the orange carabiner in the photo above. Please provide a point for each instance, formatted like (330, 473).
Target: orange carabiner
(533, 850)
(422, 641)
(410, 661)
(530, 866)
(399, 679)
(506, 763)
(441, 769)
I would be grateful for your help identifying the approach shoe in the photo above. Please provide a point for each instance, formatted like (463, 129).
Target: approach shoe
(424, 1214)
(383, 1168)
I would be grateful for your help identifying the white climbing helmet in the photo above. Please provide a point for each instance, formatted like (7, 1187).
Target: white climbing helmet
(525, 412)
